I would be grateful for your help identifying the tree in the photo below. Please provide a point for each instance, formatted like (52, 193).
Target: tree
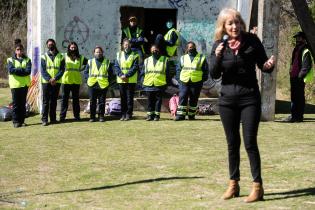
(306, 22)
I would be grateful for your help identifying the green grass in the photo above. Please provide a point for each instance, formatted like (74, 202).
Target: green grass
(149, 165)
(5, 96)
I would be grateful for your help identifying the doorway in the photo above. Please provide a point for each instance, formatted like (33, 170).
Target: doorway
(152, 21)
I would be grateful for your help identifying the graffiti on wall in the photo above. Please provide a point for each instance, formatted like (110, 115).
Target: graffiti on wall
(76, 30)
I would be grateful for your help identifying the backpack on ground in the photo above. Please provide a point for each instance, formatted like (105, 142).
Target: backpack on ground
(173, 104)
(114, 107)
(5, 113)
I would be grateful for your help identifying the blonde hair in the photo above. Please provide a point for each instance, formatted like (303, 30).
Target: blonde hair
(224, 14)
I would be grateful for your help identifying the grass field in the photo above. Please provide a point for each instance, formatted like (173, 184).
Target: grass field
(149, 165)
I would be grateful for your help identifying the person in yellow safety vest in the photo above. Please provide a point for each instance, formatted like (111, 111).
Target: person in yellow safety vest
(136, 37)
(126, 68)
(52, 69)
(155, 77)
(71, 81)
(301, 72)
(97, 72)
(191, 72)
(168, 43)
(19, 70)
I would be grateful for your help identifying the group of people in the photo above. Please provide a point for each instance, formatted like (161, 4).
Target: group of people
(234, 60)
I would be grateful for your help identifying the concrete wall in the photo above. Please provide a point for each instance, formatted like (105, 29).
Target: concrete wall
(98, 22)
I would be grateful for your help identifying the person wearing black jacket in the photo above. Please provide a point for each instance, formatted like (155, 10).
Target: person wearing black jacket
(52, 69)
(301, 65)
(235, 61)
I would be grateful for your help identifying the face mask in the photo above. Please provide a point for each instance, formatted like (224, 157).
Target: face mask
(192, 51)
(98, 56)
(52, 47)
(127, 50)
(156, 54)
(73, 52)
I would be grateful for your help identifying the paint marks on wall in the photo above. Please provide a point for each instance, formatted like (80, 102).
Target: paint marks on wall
(76, 30)
(36, 60)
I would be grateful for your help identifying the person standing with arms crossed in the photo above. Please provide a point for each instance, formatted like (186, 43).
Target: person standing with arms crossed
(19, 69)
(126, 68)
(235, 60)
(53, 66)
(71, 81)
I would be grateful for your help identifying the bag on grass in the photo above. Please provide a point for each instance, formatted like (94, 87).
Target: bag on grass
(5, 114)
(114, 107)
(173, 104)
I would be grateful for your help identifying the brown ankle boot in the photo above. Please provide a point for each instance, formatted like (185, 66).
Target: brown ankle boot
(232, 191)
(257, 193)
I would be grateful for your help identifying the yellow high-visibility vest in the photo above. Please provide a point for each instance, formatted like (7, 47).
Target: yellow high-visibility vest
(191, 70)
(72, 74)
(16, 81)
(310, 75)
(172, 49)
(98, 75)
(155, 75)
(52, 67)
(128, 34)
(125, 66)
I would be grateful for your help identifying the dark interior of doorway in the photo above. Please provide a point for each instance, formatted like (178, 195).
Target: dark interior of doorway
(152, 21)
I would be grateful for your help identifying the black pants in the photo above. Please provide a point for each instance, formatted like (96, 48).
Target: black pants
(189, 91)
(247, 110)
(154, 102)
(50, 96)
(297, 98)
(66, 89)
(19, 101)
(127, 92)
(97, 98)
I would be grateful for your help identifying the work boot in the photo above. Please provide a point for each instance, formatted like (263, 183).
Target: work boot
(122, 117)
(44, 123)
(179, 118)
(157, 118)
(149, 118)
(128, 117)
(17, 125)
(232, 191)
(102, 119)
(257, 193)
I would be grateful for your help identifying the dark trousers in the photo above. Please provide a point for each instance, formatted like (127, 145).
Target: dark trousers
(66, 89)
(50, 96)
(248, 111)
(297, 98)
(189, 91)
(127, 92)
(154, 102)
(19, 101)
(97, 98)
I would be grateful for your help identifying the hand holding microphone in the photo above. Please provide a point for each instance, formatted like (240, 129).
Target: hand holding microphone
(221, 47)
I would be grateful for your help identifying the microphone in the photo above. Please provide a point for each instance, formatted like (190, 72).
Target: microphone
(225, 41)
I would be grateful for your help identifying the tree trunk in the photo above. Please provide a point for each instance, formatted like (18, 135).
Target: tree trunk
(306, 22)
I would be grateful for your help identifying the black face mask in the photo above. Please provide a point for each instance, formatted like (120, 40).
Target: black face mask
(52, 47)
(192, 52)
(156, 54)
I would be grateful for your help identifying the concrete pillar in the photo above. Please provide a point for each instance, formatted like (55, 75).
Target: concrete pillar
(268, 30)
(245, 8)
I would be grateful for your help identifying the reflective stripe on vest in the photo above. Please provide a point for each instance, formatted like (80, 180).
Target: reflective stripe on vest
(52, 67)
(155, 75)
(98, 75)
(310, 74)
(128, 35)
(171, 49)
(125, 66)
(72, 74)
(16, 81)
(191, 70)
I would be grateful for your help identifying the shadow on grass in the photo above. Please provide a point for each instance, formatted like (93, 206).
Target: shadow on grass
(284, 107)
(291, 194)
(124, 184)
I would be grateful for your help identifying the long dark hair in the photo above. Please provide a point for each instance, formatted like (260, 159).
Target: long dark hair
(76, 52)
(190, 42)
